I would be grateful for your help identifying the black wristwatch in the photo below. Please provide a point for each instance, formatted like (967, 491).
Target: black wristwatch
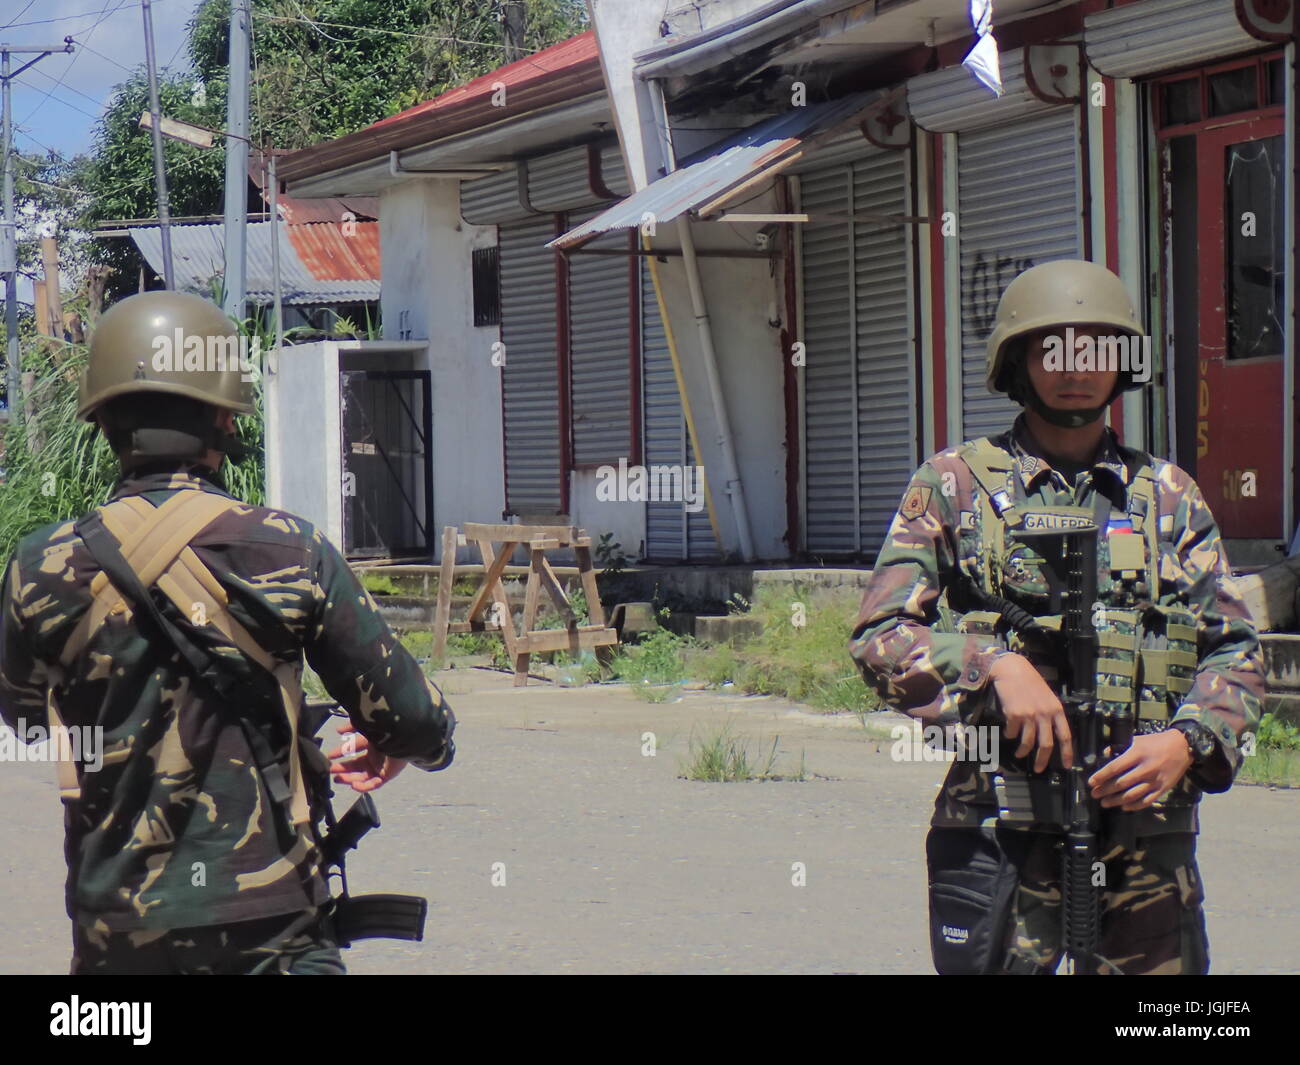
(1200, 739)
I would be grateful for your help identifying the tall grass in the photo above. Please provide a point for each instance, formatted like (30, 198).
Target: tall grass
(72, 469)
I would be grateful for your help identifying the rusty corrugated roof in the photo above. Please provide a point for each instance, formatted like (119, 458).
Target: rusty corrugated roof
(330, 252)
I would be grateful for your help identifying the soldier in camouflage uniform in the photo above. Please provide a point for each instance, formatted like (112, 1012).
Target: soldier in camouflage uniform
(183, 853)
(1177, 650)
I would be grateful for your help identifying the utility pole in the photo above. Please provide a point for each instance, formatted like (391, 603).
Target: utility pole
(159, 171)
(237, 161)
(514, 23)
(53, 326)
(10, 224)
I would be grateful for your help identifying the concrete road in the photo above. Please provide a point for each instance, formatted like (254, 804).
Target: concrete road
(554, 844)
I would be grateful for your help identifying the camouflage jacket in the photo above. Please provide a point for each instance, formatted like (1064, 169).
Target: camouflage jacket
(176, 828)
(908, 649)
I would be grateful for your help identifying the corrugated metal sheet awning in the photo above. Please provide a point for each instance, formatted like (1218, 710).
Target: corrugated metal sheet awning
(1158, 35)
(319, 263)
(709, 180)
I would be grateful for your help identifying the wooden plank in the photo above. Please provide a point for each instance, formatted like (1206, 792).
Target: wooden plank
(595, 610)
(564, 533)
(521, 669)
(544, 545)
(556, 590)
(499, 594)
(493, 579)
(532, 592)
(446, 577)
(584, 637)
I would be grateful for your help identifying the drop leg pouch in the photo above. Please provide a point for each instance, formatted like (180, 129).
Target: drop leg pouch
(973, 880)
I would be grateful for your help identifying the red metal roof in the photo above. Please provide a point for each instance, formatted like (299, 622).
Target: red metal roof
(331, 252)
(541, 65)
(563, 73)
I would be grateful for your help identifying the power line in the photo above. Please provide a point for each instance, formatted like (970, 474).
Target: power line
(21, 13)
(70, 88)
(104, 15)
(109, 58)
(58, 18)
(373, 29)
(57, 99)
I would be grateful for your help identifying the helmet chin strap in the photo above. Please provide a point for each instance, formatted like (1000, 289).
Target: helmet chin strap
(1023, 392)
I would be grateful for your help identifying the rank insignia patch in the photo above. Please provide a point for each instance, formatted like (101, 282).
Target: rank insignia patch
(915, 502)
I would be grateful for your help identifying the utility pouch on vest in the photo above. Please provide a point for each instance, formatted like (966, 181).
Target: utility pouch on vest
(973, 881)
(1168, 665)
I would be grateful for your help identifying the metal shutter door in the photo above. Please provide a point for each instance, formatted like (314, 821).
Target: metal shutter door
(600, 352)
(1018, 205)
(530, 382)
(886, 402)
(858, 396)
(830, 422)
(673, 534)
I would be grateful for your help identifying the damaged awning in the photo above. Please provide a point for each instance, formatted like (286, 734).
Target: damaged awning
(711, 179)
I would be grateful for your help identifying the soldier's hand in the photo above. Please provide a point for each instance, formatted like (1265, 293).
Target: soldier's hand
(358, 765)
(1151, 766)
(1032, 710)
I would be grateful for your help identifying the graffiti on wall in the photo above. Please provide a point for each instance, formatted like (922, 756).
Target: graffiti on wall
(989, 273)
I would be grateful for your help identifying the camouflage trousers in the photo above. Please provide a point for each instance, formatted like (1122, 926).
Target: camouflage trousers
(293, 944)
(1152, 922)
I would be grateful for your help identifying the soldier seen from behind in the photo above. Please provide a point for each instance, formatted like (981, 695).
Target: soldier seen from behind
(960, 626)
(193, 848)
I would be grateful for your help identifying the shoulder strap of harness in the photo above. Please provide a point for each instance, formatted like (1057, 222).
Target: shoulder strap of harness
(1144, 509)
(992, 467)
(137, 546)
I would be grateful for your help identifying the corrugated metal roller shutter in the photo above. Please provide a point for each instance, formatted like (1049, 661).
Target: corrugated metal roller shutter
(1018, 205)
(530, 377)
(600, 354)
(859, 407)
(489, 201)
(951, 99)
(612, 171)
(830, 417)
(560, 181)
(673, 534)
(886, 402)
(1157, 35)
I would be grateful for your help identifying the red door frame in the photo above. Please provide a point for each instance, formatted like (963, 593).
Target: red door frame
(1242, 447)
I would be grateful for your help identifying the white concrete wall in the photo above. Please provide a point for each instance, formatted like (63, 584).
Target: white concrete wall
(304, 472)
(626, 520)
(741, 296)
(428, 294)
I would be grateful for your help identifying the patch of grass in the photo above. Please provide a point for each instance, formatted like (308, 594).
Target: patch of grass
(657, 660)
(378, 583)
(801, 652)
(1276, 755)
(724, 757)
(419, 642)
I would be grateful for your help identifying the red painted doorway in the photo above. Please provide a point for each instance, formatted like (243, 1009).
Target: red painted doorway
(1223, 173)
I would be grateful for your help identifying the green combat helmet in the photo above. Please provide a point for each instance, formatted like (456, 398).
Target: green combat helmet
(172, 344)
(1066, 292)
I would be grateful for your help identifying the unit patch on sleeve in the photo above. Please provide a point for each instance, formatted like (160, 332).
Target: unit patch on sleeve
(916, 502)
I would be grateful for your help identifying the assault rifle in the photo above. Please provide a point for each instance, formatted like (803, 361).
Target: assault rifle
(362, 916)
(1064, 799)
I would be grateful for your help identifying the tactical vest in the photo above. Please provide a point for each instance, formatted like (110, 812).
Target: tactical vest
(155, 542)
(1147, 650)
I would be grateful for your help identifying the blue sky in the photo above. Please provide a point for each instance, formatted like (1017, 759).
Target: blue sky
(56, 102)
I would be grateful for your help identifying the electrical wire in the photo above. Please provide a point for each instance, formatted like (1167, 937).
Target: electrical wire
(30, 4)
(104, 15)
(58, 18)
(374, 29)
